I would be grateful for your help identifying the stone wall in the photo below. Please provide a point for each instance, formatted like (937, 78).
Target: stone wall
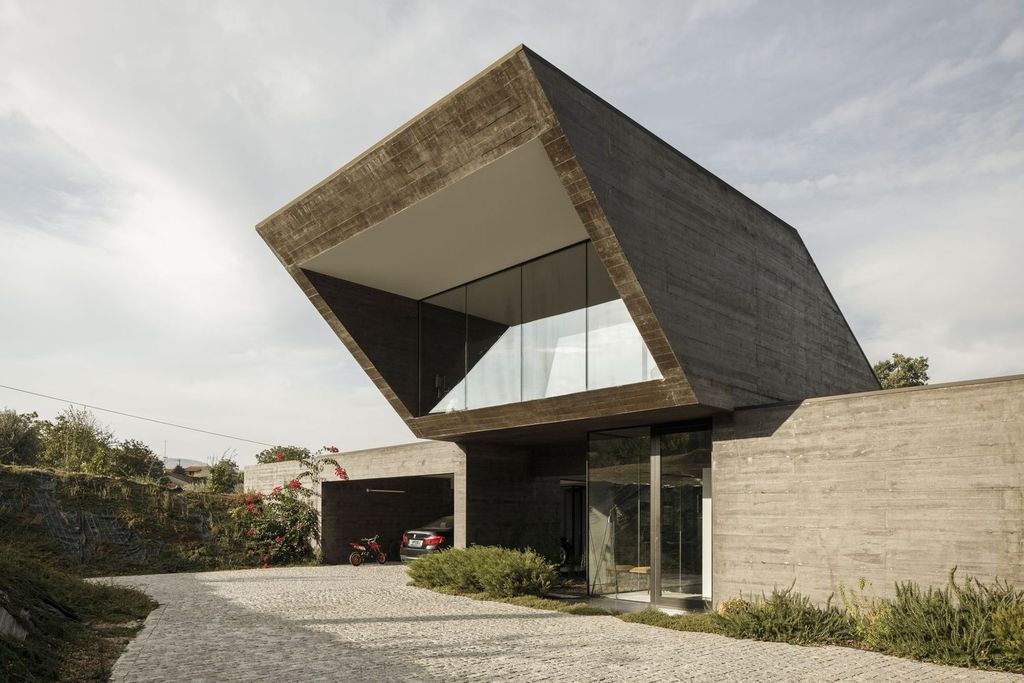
(888, 485)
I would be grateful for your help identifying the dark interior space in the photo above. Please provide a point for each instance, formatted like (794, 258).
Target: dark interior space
(388, 506)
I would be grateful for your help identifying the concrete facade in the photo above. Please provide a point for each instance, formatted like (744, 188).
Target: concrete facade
(810, 481)
(889, 486)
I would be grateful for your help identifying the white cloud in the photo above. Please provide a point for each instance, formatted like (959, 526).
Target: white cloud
(141, 142)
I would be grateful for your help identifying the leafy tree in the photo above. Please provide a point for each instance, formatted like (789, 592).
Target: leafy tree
(224, 476)
(902, 371)
(281, 453)
(76, 441)
(132, 458)
(19, 438)
(178, 469)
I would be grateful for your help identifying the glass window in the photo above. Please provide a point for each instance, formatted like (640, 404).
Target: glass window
(554, 324)
(616, 353)
(443, 351)
(548, 327)
(619, 494)
(494, 345)
(685, 515)
(645, 479)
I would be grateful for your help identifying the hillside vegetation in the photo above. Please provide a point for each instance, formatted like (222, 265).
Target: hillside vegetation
(57, 627)
(95, 525)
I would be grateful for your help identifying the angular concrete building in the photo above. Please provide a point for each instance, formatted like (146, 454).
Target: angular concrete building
(605, 343)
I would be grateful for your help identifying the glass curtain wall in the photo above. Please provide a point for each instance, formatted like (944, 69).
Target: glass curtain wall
(555, 328)
(548, 327)
(685, 474)
(616, 353)
(619, 518)
(649, 521)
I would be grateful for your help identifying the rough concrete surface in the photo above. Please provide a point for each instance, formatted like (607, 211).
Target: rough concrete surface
(342, 622)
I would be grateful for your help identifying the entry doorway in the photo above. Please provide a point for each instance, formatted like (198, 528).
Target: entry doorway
(649, 515)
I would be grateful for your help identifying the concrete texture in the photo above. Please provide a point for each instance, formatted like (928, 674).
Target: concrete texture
(735, 290)
(718, 287)
(339, 623)
(889, 486)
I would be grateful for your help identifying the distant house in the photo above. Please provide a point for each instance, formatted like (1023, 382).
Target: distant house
(183, 480)
(198, 471)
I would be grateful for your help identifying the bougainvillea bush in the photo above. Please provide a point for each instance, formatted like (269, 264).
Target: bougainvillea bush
(281, 526)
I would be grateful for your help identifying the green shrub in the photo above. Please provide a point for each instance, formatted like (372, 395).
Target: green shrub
(968, 624)
(789, 617)
(706, 622)
(491, 570)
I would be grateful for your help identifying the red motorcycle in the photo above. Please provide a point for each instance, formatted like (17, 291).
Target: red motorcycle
(366, 549)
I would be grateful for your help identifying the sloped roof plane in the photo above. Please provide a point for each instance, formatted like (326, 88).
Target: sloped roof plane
(724, 294)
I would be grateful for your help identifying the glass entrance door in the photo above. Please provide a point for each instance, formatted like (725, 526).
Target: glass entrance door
(649, 521)
(619, 514)
(681, 466)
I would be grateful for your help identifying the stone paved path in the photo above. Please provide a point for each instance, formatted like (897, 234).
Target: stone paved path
(341, 622)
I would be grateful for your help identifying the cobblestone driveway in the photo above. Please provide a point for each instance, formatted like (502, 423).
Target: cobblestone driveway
(338, 623)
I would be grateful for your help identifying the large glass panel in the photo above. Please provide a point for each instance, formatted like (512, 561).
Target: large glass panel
(685, 538)
(554, 324)
(616, 353)
(443, 351)
(494, 345)
(619, 515)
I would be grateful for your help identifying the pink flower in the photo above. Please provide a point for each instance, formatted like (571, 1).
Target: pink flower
(332, 449)
(250, 507)
(278, 539)
(250, 532)
(295, 484)
(280, 456)
(277, 489)
(340, 473)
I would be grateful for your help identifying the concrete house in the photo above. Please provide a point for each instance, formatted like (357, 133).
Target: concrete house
(602, 341)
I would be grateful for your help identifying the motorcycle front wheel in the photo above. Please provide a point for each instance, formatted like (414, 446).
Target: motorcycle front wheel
(382, 557)
(355, 559)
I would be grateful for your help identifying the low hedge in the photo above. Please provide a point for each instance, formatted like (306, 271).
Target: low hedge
(491, 570)
(788, 617)
(963, 624)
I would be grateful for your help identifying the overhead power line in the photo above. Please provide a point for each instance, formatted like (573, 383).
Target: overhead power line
(137, 417)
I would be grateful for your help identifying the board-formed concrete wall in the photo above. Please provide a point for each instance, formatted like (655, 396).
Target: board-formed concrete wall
(886, 485)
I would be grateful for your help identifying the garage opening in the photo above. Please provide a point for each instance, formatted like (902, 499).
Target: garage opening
(388, 506)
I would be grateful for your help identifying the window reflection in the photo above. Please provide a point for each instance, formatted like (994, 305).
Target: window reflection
(443, 351)
(554, 331)
(495, 340)
(548, 327)
(616, 353)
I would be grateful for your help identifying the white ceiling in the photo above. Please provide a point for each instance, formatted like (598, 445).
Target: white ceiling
(510, 211)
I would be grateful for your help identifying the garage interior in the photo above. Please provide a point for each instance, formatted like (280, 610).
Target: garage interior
(387, 506)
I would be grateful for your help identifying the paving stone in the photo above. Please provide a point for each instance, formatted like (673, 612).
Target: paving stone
(340, 622)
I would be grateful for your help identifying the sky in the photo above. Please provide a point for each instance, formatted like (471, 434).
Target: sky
(140, 143)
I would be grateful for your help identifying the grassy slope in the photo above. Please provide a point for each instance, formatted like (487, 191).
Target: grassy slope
(165, 520)
(61, 647)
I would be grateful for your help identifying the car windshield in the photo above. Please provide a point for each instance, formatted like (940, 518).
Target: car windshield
(441, 523)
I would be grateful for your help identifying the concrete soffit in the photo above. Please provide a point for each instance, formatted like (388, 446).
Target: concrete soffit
(496, 125)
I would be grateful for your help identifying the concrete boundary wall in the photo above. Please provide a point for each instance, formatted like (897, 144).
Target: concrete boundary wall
(886, 485)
